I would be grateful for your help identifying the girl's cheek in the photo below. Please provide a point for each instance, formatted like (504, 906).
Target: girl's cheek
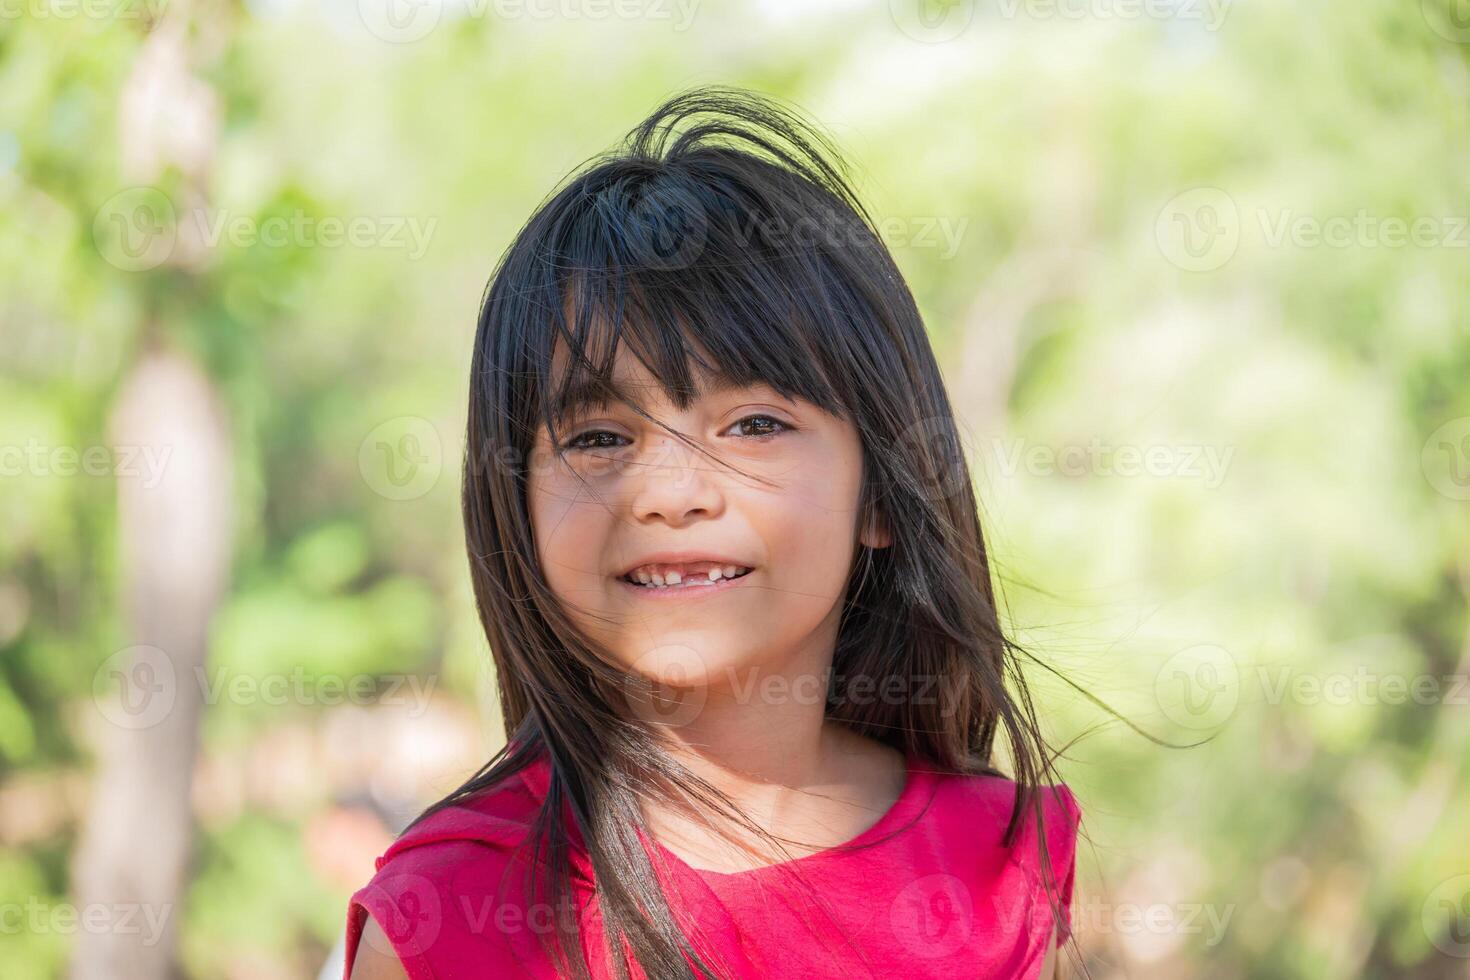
(557, 508)
(821, 509)
(550, 470)
(818, 490)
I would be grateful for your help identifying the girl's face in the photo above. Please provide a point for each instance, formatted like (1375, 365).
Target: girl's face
(628, 500)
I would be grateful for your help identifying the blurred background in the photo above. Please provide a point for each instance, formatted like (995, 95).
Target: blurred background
(1199, 275)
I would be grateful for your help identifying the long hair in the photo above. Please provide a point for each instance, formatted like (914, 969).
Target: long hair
(724, 229)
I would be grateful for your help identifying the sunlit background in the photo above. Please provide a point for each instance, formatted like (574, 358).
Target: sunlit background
(1199, 275)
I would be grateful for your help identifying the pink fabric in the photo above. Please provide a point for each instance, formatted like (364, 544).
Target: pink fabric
(939, 897)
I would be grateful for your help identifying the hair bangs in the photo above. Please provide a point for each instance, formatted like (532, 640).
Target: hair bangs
(712, 325)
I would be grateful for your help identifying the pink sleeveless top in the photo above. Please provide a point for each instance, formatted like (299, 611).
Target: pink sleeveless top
(935, 896)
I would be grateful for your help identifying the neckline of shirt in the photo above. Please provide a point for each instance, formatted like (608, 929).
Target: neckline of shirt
(913, 799)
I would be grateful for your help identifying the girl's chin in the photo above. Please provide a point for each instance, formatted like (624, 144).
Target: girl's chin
(684, 661)
(705, 660)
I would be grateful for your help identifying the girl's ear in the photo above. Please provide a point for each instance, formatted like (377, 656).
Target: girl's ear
(875, 533)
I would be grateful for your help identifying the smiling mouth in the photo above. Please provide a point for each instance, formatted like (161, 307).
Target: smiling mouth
(699, 575)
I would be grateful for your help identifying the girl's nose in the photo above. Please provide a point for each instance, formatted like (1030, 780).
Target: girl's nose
(673, 483)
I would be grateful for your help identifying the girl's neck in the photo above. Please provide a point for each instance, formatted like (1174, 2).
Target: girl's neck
(762, 727)
(820, 791)
(762, 737)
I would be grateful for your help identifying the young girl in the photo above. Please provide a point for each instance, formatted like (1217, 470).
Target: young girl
(726, 552)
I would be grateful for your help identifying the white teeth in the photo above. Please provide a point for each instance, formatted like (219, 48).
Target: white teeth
(663, 580)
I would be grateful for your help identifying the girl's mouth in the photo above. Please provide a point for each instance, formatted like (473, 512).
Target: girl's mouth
(696, 579)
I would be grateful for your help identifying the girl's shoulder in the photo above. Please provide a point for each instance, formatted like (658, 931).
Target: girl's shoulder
(977, 808)
(986, 801)
(454, 887)
(970, 814)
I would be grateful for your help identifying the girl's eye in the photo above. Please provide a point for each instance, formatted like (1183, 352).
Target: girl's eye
(764, 426)
(755, 427)
(594, 439)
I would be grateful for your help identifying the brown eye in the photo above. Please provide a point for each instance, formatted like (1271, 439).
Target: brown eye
(596, 439)
(760, 426)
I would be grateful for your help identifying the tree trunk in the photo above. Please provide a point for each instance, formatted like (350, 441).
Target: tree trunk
(175, 537)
